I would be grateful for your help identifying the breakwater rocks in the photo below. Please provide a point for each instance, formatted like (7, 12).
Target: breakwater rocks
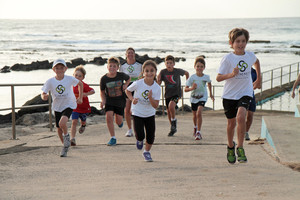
(78, 61)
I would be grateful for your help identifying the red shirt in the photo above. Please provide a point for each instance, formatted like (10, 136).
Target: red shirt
(85, 106)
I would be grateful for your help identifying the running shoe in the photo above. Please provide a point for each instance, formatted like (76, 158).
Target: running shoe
(73, 142)
(66, 139)
(121, 125)
(147, 156)
(231, 154)
(129, 133)
(241, 155)
(81, 129)
(198, 136)
(171, 133)
(174, 125)
(139, 145)
(64, 152)
(112, 142)
(247, 136)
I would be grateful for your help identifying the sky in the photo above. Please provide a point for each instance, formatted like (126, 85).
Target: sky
(150, 9)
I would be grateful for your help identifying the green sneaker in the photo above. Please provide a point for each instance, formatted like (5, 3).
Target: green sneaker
(241, 155)
(231, 155)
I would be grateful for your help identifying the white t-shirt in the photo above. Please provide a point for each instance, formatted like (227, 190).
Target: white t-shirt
(62, 92)
(200, 93)
(144, 108)
(133, 71)
(240, 85)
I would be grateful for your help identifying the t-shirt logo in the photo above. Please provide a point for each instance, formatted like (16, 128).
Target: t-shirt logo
(60, 89)
(170, 79)
(145, 94)
(130, 69)
(242, 66)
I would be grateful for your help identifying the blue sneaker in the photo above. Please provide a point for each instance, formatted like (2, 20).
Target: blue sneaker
(112, 142)
(121, 125)
(147, 156)
(139, 145)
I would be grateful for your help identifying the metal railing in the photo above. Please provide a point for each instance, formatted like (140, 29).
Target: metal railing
(282, 75)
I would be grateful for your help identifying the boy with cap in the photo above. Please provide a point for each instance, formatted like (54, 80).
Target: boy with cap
(64, 100)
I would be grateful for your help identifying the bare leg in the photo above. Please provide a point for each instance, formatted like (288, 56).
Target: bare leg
(119, 119)
(249, 120)
(148, 146)
(63, 124)
(73, 127)
(241, 125)
(230, 131)
(59, 133)
(171, 110)
(128, 113)
(110, 122)
(199, 117)
(194, 118)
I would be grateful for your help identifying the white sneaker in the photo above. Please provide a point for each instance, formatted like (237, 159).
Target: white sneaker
(129, 133)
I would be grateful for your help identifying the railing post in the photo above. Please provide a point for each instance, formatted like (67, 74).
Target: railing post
(290, 73)
(280, 77)
(214, 96)
(50, 112)
(271, 80)
(163, 99)
(13, 113)
(182, 100)
(297, 69)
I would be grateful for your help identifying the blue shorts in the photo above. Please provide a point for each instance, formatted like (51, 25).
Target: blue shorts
(76, 115)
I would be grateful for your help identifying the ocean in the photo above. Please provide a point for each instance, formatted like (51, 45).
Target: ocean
(25, 41)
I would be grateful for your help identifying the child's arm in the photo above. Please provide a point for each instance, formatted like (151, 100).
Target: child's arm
(188, 89)
(187, 75)
(210, 93)
(103, 98)
(257, 83)
(159, 79)
(126, 84)
(130, 97)
(154, 103)
(295, 85)
(89, 93)
(80, 89)
(44, 96)
(222, 77)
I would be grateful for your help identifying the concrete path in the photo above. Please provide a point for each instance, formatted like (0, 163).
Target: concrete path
(30, 168)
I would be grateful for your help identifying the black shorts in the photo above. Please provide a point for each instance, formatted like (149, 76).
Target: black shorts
(252, 106)
(131, 92)
(115, 109)
(66, 112)
(231, 106)
(173, 98)
(196, 105)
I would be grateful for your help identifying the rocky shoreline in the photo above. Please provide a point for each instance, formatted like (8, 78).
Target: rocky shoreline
(78, 61)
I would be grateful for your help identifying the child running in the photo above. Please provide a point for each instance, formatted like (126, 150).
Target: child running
(64, 100)
(171, 77)
(83, 109)
(197, 84)
(144, 103)
(235, 69)
(112, 94)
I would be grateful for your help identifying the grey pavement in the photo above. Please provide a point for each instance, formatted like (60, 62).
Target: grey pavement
(30, 167)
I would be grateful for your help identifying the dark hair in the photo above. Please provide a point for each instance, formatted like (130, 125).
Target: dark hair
(200, 59)
(81, 69)
(114, 60)
(130, 48)
(151, 63)
(169, 57)
(236, 32)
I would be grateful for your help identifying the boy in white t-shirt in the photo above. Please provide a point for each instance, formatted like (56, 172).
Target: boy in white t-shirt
(64, 100)
(235, 69)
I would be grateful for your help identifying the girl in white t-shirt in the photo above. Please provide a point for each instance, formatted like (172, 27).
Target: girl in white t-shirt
(197, 84)
(144, 103)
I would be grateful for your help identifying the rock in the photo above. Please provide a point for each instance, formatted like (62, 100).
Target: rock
(5, 69)
(6, 118)
(98, 61)
(259, 41)
(78, 61)
(33, 66)
(34, 101)
(95, 111)
(295, 46)
(32, 119)
(186, 108)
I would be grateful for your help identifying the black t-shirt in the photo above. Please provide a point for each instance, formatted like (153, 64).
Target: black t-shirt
(115, 96)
